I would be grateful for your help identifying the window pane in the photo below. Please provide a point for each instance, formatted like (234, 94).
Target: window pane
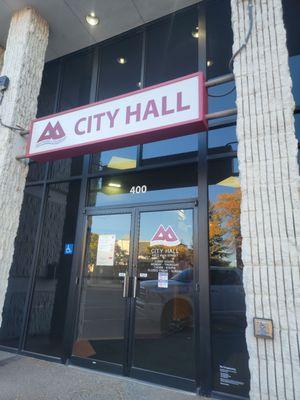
(219, 38)
(20, 271)
(171, 49)
(297, 127)
(184, 144)
(36, 171)
(294, 63)
(64, 168)
(120, 67)
(291, 14)
(46, 100)
(228, 320)
(146, 186)
(48, 310)
(222, 140)
(76, 81)
(122, 159)
(218, 102)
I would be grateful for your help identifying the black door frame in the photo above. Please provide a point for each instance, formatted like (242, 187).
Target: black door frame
(127, 368)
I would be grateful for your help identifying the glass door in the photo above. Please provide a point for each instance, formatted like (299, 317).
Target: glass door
(105, 282)
(164, 309)
(136, 312)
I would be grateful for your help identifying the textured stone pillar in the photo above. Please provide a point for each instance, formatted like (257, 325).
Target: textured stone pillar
(270, 209)
(1, 57)
(23, 64)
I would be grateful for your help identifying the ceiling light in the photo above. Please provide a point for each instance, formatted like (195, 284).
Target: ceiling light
(209, 63)
(92, 19)
(195, 33)
(121, 163)
(121, 60)
(181, 215)
(231, 181)
(114, 184)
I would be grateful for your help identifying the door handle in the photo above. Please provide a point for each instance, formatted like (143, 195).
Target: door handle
(134, 286)
(126, 285)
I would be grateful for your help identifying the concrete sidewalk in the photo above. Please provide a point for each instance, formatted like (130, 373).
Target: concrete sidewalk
(25, 378)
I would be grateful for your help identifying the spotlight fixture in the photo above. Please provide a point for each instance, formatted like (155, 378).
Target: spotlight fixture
(92, 19)
(209, 63)
(195, 33)
(121, 60)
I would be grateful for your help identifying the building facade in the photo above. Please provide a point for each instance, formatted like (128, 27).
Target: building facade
(177, 261)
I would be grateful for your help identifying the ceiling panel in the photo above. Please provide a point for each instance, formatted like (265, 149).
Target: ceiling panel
(152, 9)
(115, 16)
(69, 31)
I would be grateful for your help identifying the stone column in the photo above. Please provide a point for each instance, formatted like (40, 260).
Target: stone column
(270, 209)
(1, 58)
(23, 64)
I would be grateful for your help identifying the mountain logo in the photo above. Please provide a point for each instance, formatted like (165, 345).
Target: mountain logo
(52, 134)
(165, 237)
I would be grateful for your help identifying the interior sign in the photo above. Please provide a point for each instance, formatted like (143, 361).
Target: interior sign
(173, 108)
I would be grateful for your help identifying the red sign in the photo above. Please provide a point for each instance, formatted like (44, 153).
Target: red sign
(165, 237)
(163, 111)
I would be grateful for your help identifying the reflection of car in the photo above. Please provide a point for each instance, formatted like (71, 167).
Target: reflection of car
(165, 310)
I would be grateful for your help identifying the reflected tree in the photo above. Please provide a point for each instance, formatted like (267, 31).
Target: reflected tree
(225, 231)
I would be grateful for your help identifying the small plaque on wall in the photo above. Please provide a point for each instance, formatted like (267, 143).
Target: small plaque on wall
(263, 328)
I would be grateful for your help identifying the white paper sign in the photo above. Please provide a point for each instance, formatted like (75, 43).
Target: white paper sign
(163, 279)
(106, 250)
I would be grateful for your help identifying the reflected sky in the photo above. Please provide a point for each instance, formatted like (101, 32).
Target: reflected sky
(294, 63)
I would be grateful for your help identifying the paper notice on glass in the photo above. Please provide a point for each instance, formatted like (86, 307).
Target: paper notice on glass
(163, 279)
(106, 250)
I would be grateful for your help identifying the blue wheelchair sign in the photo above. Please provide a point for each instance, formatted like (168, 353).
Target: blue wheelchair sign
(69, 248)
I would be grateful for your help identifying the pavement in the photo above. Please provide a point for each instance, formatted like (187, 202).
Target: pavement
(26, 378)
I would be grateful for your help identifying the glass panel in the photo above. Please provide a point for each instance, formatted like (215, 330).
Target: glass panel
(47, 316)
(76, 81)
(119, 159)
(164, 323)
(219, 38)
(173, 183)
(294, 63)
(47, 96)
(120, 67)
(20, 271)
(169, 147)
(297, 127)
(172, 50)
(102, 312)
(291, 13)
(64, 168)
(228, 320)
(222, 140)
(218, 102)
(36, 171)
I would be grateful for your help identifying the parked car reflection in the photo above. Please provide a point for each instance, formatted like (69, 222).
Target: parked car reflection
(169, 310)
